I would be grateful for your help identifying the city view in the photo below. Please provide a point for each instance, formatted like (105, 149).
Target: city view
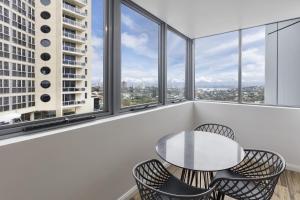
(251, 94)
(33, 86)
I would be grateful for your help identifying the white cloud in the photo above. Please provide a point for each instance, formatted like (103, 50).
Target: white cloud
(97, 42)
(254, 67)
(127, 21)
(139, 44)
(97, 60)
(223, 47)
(251, 38)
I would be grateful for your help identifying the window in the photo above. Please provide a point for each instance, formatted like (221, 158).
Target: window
(253, 64)
(139, 59)
(97, 75)
(86, 77)
(216, 67)
(176, 67)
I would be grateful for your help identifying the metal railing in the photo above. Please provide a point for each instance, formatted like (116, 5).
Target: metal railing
(73, 89)
(73, 49)
(73, 62)
(74, 102)
(74, 76)
(74, 23)
(74, 36)
(74, 9)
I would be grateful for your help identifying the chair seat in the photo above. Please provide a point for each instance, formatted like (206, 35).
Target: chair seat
(175, 186)
(240, 187)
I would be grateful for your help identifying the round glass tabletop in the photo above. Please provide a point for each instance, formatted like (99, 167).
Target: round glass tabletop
(200, 151)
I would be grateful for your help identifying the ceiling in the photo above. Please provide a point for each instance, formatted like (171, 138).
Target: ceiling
(197, 18)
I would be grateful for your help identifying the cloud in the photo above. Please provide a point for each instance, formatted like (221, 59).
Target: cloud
(252, 38)
(97, 42)
(139, 44)
(253, 66)
(127, 21)
(97, 60)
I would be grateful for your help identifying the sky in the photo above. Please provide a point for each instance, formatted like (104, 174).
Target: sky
(139, 49)
(216, 62)
(97, 42)
(216, 57)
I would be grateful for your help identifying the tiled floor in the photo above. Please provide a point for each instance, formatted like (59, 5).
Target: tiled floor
(288, 187)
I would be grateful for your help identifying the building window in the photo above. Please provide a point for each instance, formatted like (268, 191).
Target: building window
(253, 64)
(176, 66)
(216, 67)
(139, 59)
(4, 68)
(4, 86)
(4, 104)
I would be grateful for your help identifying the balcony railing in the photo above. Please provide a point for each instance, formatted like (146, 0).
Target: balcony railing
(74, 9)
(74, 23)
(73, 89)
(71, 103)
(73, 49)
(74, 63)
(74, 36)
(74, 76)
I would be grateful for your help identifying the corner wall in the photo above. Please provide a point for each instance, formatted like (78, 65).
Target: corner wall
(91, 161)
(264, 127)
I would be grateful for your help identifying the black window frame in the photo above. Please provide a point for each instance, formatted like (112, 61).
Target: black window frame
(112, 75)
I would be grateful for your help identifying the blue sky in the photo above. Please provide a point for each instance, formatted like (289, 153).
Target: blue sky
(97, 42)
(139, 49)
(216, 57)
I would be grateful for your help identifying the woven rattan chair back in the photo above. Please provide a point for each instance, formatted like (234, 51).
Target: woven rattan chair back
(218, 129)
(151, 175)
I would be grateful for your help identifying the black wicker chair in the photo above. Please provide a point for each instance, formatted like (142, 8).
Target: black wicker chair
(156, 183)
(254, 178)
(217, 128)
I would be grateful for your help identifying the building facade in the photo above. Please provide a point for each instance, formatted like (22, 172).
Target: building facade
(45, 58)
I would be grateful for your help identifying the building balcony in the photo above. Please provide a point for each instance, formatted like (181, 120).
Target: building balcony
(74, 11)
(73, 76)
(73, 103)
(74, 38)
(79, 3)
(74, 24)
(74, 63)
(73, 89)
(73, 50)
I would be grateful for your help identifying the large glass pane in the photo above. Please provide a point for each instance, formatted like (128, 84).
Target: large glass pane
(253, 64)
(216, 67)
(97, 54)
(139, 62)
(176, 59)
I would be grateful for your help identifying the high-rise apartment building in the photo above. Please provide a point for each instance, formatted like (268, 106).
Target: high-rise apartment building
(44, 58)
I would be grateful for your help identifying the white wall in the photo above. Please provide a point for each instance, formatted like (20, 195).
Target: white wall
(93, 161)
(263, 127)
(87, 162)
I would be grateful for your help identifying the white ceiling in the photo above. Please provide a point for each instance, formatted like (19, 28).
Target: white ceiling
(197, 18)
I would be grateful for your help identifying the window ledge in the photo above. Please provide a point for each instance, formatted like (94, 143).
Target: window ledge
(87, 124)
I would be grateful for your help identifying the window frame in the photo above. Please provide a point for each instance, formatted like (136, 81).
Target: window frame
(186, 81)
(239, 67)
(111, 75)
(240, 102)
(160, 61)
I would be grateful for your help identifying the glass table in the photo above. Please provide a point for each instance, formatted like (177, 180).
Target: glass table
(200, 151)
(199, 154)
